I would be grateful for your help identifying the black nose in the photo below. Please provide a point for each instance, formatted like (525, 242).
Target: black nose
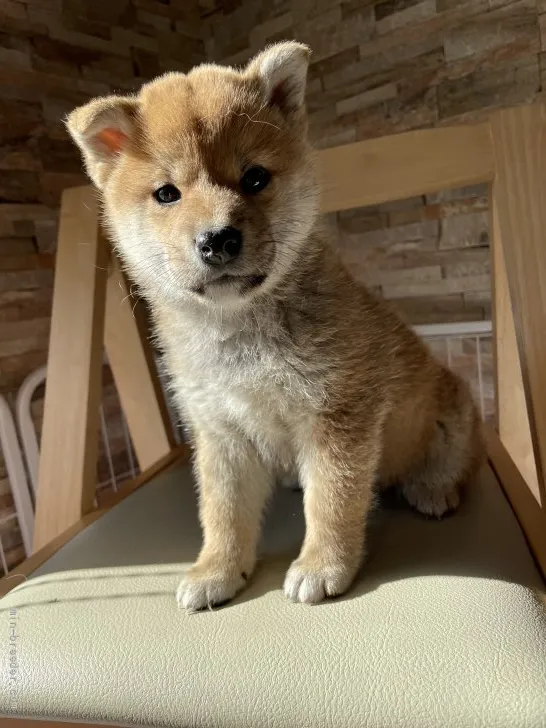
(218, 247)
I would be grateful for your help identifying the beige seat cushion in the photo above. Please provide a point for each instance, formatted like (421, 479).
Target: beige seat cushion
(443, 628)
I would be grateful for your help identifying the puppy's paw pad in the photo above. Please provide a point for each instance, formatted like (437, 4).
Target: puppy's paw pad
(206, 590)
(309, 583)
(432, 502)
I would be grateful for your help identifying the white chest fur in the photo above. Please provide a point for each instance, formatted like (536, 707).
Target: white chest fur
(239, 373)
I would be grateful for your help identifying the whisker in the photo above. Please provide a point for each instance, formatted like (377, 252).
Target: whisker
(255, 121)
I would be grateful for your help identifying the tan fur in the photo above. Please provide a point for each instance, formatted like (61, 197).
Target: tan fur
(306, 372)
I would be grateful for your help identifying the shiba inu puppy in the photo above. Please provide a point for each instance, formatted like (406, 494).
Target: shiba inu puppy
(280, 362)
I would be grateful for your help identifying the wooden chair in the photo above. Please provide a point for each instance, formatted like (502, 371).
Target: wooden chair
(446, 625)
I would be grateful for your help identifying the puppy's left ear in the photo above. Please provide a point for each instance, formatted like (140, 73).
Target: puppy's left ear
(282, 69)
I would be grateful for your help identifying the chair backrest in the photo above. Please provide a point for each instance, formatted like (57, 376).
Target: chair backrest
(91, 306)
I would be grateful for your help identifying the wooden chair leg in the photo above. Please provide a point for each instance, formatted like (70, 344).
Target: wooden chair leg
(519, 201)
(512, 418)
(135, 373)
(69, 443)
(518, 222)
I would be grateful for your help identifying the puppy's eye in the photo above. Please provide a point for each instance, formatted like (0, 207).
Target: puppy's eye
(254, 180)
(167, 194)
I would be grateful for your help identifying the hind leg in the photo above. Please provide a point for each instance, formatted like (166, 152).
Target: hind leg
(454, 454)
(433, 494)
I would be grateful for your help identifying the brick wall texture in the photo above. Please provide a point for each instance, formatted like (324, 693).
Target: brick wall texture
(377, 68)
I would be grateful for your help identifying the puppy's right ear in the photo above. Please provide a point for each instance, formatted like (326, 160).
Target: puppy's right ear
(102, 129)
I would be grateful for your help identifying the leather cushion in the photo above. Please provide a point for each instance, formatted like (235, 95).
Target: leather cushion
(444, 627)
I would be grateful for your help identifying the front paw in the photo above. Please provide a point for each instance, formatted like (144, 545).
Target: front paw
(204, 587)
(310, 579)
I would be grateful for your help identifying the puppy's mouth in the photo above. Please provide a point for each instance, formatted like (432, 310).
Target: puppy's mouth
(244, 283)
